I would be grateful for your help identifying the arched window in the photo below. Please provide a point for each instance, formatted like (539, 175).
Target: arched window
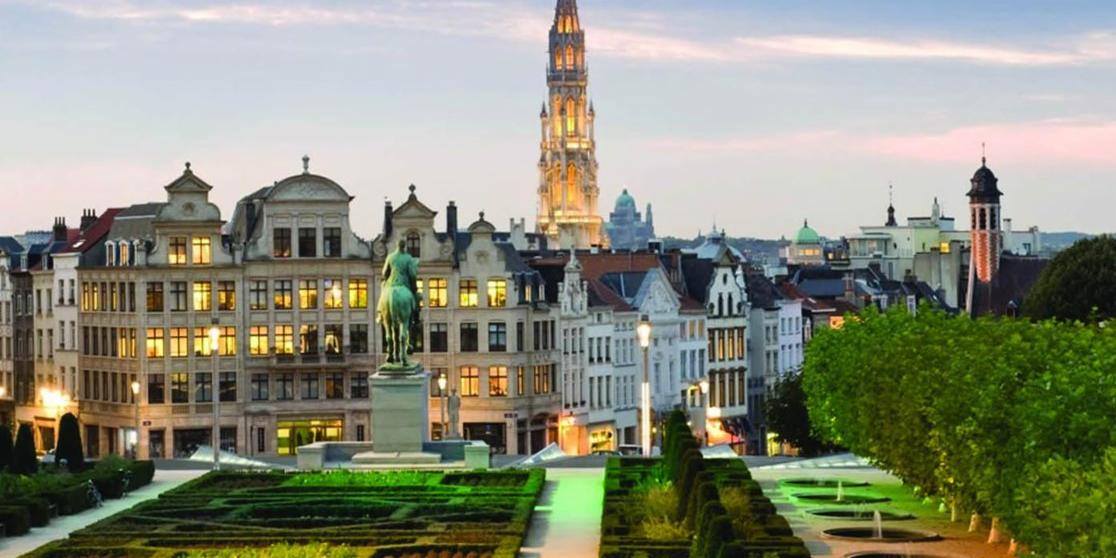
(730, 311)
(572, 184)
(571, 117)
(983, 219)
(413, 244)
(124, 253)
(992, 218)
(558, 60)
(110, 254)
(721, 305)
(569, 57)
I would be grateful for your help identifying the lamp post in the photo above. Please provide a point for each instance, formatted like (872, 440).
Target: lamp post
(442, 397)
(214, 336)
(135, 400)
(643, 330)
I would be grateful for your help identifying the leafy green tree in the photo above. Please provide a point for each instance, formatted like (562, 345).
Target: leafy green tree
(1078, 284)
(24, 460)
(5, 447)
(69, 443)
(787, 417)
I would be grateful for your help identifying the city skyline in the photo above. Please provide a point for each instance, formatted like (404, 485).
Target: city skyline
(800, 111)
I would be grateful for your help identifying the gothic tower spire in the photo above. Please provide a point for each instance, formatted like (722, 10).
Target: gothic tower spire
(568, 189)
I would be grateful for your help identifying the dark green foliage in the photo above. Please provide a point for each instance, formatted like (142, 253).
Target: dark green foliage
(143, 472)
(24, 460)
(716, 533)
(692, 464)
(70, 499)
(6, 449)
(734, 549)
(704, 491)
(69, 443)
(709, 511)
(787, 417)
(1078, 284)
(38, 509)
(16, 519)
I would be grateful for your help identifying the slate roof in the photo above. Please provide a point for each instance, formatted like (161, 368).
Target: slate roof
(95, 233)
(135, 221)
(762, 293)
(10, 245)
(1008, 294)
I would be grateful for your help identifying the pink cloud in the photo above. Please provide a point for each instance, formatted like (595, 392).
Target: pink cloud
(1034, 142)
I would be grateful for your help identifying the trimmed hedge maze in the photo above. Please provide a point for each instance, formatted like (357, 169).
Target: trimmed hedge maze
(403, 514)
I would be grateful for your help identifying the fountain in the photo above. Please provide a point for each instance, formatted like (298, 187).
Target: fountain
(842, 499)
(858, 514)
(877, 522)
(840, 491)
(879, 533)
(822, 483)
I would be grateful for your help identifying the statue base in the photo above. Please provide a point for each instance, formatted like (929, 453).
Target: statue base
(399, 409)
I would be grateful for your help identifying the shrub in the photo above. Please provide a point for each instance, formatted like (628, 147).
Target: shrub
(69, 443)
(143, 472)
(69, 500)
(704, 491)
(658, 528)
(659, 501)
(319, 550)
(738, 504)
(38, 510)
(16, 519)
(24, 460)
(692, 464)
(5, 447)
(717, 533)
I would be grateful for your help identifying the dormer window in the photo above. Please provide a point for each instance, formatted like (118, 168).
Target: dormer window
(125, 253)
(176, 253)
(413, 244)
(202, 254)
(110, 254)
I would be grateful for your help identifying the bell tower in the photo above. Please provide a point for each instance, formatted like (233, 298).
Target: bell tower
(986, 234)
(567, 204)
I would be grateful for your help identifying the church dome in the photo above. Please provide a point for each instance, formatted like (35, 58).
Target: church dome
(984, 185)
(806, 235)
(625, 201)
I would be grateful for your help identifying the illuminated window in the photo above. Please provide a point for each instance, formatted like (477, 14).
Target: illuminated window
(154, 342)
(308, 294)
(201, 342)
(178, 342)
(123, 253)
(226, 341)
(176, 253)
(569, 57)
(470, 381)
(283, 294)
(284, 339)
(467, 293)
(257, 341)
(358, 293)
(439, 292)
(226, 296)
(497, 293)
(571, 117)
(203, 296)
(334, 294)
(497, 381)
(944, 247)
(154, 296)
(571, 179)
(308, 339)
(334, 336)
(281, 244)
(201, 250)
(557, 60)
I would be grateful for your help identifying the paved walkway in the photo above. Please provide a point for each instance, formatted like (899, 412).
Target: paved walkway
(62, 526)
(567, 519)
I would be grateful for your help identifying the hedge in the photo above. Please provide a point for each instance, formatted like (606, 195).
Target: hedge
(16, 519)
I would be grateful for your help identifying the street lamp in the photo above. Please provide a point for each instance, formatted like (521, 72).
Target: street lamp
(643, 330)
(135, 400)
(214, 336)
(442, 394)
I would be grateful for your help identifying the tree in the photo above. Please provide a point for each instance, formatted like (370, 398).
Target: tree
(5, 447)
(69, 443)
(24, 461)
(787, 417)
(1078, 284)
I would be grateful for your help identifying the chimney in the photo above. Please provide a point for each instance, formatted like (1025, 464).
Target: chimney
(59, 229)
(88, 217)
(387, 222)
(451, 221)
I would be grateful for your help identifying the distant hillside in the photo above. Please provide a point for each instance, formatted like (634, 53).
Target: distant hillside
(1057, 241)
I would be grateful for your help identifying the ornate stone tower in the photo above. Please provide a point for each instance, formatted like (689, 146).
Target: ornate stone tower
(987, 237)
(567, 208)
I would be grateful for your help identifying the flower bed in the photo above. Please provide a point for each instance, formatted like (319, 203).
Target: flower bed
(379, 515)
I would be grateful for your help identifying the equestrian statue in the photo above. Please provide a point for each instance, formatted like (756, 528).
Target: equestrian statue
(398, 308)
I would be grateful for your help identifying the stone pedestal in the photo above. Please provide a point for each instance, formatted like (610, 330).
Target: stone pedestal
(399, 411)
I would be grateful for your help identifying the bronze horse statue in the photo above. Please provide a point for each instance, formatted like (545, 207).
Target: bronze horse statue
(398, 305)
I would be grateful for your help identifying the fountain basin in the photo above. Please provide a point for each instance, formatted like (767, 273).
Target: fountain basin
(822, 483)
(858, 515)
(846, 499)
(885, 535)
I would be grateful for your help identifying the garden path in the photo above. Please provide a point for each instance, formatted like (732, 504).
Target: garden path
(567, 519)
(62, 526)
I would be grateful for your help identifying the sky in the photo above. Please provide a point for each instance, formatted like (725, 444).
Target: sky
(748, 116)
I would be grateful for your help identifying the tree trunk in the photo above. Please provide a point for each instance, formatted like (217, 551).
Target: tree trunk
(974, 522)
(994, 535)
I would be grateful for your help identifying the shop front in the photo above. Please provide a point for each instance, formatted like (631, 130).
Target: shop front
(292, 433)
(602, 438)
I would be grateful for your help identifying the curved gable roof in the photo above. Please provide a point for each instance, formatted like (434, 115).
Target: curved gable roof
(308, 187)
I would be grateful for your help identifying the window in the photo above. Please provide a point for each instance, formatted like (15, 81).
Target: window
(281, 243)
(176, 251)
(497, 381)
(227, 386)
(307, 243)
(259, 385)
(331, 242)
(520, 381)
(283, 294)
(178, 296)
(519, 336)
(155, 389)
(284, 340)
(257, 294)
(335, 385)
(334, 336)
(179, 342)
(257, 341)
(154, 342)
(308, 339)
(439, 338)
(226, 296)
(226, 341)
(180, 388)
(203, 383)
(203, 296)
(358, 293)
(358, 338)
(334, 294)
(309, 386)
(155, 297)
(124, 254)
(201, 250)
(284, 386)
(201, 342)
(497, 293)
(308, 294)
(413, 244)
(467, 293)
(468, 337)
(470, 381)
(439, 292)
(497, 337)
(359, 385)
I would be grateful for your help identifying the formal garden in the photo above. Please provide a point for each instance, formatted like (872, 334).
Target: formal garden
(1007, 424)
(398, 514)
(685, 506)
(32, 494)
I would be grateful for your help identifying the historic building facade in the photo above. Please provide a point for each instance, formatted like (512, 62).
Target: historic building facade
(627, 229)
(568, 192)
